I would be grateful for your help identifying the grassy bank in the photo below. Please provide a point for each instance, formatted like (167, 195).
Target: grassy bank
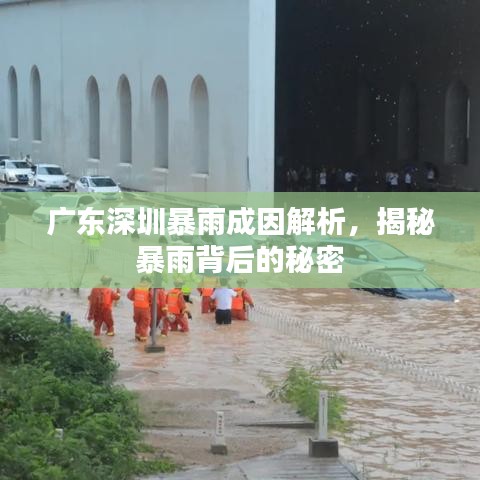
(61, 417)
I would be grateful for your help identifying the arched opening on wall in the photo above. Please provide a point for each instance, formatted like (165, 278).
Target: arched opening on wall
(13, 99)
(36, 104)
(93, 99)
(125, 110)
(457, 124)
(160, 112)
(407, 148)
(200, 125)
(364, 124)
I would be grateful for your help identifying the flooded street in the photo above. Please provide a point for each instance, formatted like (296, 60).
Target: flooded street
(401, 428)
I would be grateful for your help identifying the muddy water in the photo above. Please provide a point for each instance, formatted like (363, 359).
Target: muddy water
(401, 429)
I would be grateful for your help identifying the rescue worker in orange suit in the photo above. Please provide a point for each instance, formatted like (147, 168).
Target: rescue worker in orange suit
(177, 310)
(161, 307)
(240, 302)
(208, 286)
(100, 310)
(142, 316)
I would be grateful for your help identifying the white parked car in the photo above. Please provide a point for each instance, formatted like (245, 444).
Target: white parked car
(69, 201)
(103, 185)
(49, 176)
(15, 171)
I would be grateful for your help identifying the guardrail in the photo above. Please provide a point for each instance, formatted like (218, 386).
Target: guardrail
(343, 344)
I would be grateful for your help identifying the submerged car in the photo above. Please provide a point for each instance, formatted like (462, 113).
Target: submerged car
(103, 185)
(402, 283)
(51, 177)
(15, 171)
(69, 201)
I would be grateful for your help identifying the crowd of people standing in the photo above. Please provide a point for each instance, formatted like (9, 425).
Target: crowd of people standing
(332, 179)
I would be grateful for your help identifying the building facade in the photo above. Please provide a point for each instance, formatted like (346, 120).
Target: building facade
(163, 95)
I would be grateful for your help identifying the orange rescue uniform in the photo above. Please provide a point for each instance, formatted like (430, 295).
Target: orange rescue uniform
(239, 303)
(141, 298)
(176, 308)
(100, 309)
(208, 286)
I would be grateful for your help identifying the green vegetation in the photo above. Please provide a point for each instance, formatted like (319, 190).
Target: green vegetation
(52, 377)
(301, 387)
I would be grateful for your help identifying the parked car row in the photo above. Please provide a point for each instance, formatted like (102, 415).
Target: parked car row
(51, 177)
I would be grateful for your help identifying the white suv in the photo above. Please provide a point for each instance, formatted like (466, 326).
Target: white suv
(48, 176)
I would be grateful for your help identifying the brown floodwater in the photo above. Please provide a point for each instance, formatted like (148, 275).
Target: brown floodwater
(402, 428)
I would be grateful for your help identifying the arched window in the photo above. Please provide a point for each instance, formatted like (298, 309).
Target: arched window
(93, 99)
(125, 109)
(408, 124)
(200, 125)
(36, 104)
(457, 124)
(160, 112)
(13, 99)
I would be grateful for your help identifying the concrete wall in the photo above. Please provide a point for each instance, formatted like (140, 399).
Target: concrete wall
(71, 40)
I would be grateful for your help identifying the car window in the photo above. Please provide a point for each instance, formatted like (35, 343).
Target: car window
(50, 171)
(384, 251)
(2, 164)
(385, 281)
(414, 282)
(19, 165)
(373, 278)
(103, 182)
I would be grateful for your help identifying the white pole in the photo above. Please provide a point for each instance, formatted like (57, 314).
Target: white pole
(323, 415)
(220, 429)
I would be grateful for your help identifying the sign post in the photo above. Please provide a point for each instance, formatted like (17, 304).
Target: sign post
(153, 347)
(322, 446)
(219, 446)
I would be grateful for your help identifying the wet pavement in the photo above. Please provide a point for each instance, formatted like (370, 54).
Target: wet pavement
(401, 428)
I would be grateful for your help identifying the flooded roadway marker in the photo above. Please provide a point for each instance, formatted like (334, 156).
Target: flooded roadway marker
(153, 347)
(322, 446)
(219, 446)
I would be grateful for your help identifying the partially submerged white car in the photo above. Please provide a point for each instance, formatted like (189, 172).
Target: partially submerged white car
(103, 185)
(51, 177)
(15, 171)
(69, 201)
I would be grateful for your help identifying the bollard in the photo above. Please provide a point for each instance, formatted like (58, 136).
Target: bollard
(322, 446)
(219, 446)
(153, 347)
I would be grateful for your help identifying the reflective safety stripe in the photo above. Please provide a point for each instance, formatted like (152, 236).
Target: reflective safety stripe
(237, 302)
(141, 298)
(172, 302)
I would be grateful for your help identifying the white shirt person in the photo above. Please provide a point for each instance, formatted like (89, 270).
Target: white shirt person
(223, 297)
